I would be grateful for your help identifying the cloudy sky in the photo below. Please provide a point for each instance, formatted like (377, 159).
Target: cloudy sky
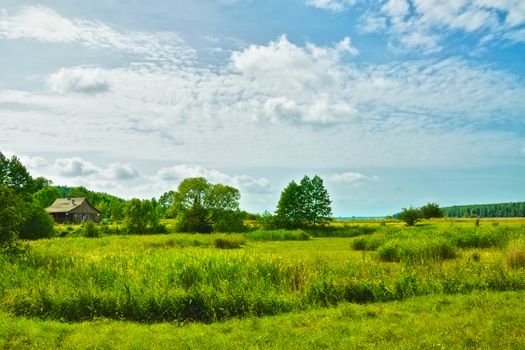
(393, 102)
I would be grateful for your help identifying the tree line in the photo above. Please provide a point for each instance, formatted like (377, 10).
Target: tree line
(499, 210)
(196, 205)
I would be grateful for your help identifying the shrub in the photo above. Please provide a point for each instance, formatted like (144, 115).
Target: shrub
(366, 243)
(231, 242)
(410, 216)
(37, 224)
(89, 229)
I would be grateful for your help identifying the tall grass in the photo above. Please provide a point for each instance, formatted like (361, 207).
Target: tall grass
(278, 235)
(186, 278)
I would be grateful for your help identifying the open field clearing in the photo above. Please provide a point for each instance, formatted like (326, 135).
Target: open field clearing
(460, 275)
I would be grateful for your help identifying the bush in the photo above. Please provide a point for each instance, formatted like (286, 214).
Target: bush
(366, 243)
(37, 224)
(231, 242)
(89, 229)
(410, 215)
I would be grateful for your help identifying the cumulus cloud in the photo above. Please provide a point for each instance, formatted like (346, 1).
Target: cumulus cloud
(73, 167)
(78, 167)
(356, 179)
(242, 182)
(33, 162)
(78, 80)
(118, 171)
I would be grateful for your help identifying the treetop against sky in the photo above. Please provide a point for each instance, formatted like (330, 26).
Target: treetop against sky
(392, 102)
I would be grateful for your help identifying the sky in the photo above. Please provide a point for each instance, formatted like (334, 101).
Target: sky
(394, 103)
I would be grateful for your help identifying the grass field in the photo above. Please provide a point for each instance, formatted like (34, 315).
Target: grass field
(441, 284)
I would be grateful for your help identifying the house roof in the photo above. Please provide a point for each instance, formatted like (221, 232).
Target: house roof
(65, 205)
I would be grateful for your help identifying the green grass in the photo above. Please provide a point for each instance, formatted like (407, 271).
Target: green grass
(181, 278)
(473, 321)
(278, 235)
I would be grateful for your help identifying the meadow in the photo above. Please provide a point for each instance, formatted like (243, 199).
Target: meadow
(330, 286)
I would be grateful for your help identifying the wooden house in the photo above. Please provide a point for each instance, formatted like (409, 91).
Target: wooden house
(74, 210)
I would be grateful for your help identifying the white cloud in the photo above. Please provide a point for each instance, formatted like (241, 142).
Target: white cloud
(331, 5)
(74, 167)
(78, 167)
(425, 24)
(46, 25)
(118, 171)
(80, 80)
(34, 162)
(356, 179)
(243, 182)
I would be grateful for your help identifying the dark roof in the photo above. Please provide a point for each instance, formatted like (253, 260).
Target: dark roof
(65, 205)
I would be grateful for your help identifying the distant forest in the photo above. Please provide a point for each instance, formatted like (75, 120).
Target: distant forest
(500, 210)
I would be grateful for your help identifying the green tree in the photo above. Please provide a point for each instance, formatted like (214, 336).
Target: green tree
(431, 210)
(11, 217)
(289, 211)
(304, 204)
(319, 204)
(46, 196)
(140, 216)
(204, 207)
(410, 215)
(166, 202)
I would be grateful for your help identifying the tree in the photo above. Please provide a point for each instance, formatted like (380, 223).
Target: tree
(289, 211)
(46, 196)
(410, 215)
(304, 204)
(204, 207)
(11, 207)
(166, 205)
(319, 204)
(140, 216)
(431, 210)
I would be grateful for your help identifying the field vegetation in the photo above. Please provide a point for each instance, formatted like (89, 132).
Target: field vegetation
(181, 278)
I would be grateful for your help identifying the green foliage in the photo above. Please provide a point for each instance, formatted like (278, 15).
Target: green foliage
(431, 210)
(410, 215)
(90, 230)
(46, 196)
(11, 216)
(278, 235)
(367, 243)
(436, 321)
(501, 210)
(420, 250)
(304, 205)
(204, 207)
(493, 237)
(229, 242)
(36, 224)
(141, 217)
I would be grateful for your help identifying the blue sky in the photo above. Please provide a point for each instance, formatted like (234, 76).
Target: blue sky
(393, 102)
